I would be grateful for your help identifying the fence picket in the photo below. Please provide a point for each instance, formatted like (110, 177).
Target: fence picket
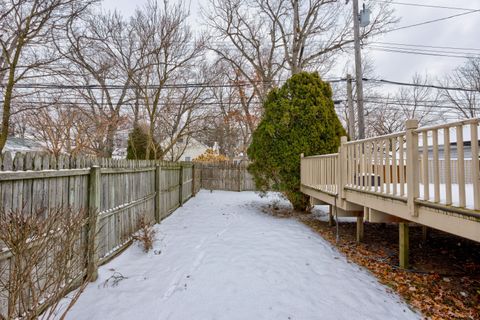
(124, 194)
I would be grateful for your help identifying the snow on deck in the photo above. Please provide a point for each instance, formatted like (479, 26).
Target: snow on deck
(220, 257)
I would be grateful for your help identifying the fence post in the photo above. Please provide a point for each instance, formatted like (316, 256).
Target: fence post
(412, 166)
(193, 180)
(180, 187)
(201, 174)
(158, 171)
(239, 177)
(93, 222)
(342, 165)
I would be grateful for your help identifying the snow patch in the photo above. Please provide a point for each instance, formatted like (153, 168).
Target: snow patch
(222, 258)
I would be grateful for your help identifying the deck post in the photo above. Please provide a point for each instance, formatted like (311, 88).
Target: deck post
(424, 233)
(302, 173)
(403, 244)
(342, 165)
(330, 216)
(359, 228)
(412, 166)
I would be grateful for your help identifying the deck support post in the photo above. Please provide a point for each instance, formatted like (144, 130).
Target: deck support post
(359, 228)
(330, 216)
(424, 233)
(403, 244)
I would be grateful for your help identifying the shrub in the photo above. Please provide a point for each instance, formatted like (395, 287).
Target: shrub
(210, 156)
(47, 259)
(298, 118)
(145, 234)
(138, 143)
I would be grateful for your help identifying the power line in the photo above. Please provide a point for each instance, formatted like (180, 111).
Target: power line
(423, 46)
(423, 5)
(155, 86)
(450, 51)
(418, 52)
(46, 104)
(394, 99)
(421, 85)
(432, 21)
(419, 104)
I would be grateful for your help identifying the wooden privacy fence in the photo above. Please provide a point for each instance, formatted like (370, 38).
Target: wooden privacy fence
(225, 175)
(116, 192)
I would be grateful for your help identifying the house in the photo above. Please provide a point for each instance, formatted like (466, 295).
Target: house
(467, 143)
(189, 149)
(17, 144)
(186, 149)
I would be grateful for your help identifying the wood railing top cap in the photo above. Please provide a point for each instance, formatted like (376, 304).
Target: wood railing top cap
(411, 124)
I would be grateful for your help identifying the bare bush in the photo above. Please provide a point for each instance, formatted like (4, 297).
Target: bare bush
(114, 279)
(145, 234)
(43, 259)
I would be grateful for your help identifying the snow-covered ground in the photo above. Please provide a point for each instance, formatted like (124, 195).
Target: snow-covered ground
(220, 257)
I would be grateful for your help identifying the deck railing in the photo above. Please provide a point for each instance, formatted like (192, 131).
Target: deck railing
(441, 184)
(437, 165)
(321, 172)
(378, 164)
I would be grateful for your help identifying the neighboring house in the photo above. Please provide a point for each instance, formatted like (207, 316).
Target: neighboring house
(16, 144)
(188, 148)
(119, 153)
(241, 157)
(191, 148)
(466, 133)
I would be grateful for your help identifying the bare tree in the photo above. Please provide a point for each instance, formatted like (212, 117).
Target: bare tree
(167, 52)
(467, 76)
(61, 129)
(238, 110)
(101, 59)
(386, 117)
(302, 34)
(26, 28)
(416, 102)
(248, 40)
(183, 115)
(419, 101)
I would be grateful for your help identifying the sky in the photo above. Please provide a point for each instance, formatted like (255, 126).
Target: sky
(459, 32)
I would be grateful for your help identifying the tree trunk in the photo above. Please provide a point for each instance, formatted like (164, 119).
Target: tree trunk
(8, 97)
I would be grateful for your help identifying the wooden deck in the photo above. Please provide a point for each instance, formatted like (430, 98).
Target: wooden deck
(403, 178)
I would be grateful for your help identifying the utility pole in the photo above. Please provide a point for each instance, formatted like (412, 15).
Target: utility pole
(351, 112)
(358, 71)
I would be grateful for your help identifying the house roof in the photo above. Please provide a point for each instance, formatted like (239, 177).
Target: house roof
(16, 144)
(466, 132)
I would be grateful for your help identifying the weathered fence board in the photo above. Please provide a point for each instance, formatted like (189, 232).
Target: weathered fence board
(230, 176)
(127, 190)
